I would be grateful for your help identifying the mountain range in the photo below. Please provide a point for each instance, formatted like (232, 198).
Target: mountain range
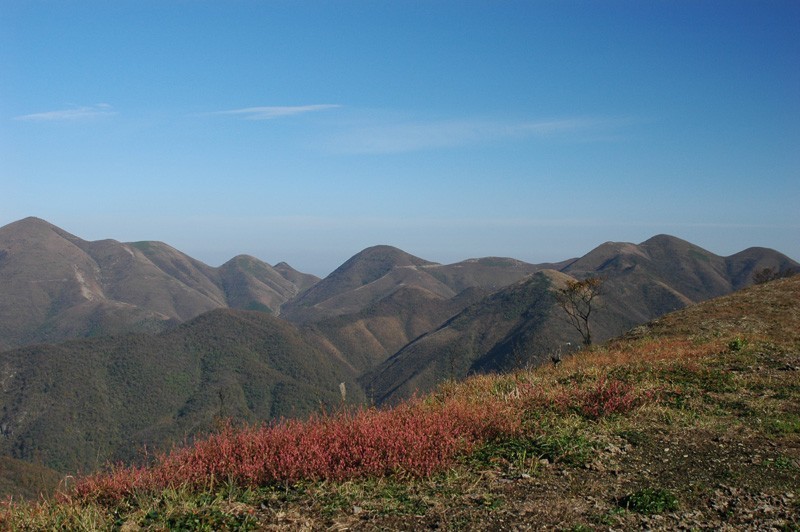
(110, 346)
(56, 286)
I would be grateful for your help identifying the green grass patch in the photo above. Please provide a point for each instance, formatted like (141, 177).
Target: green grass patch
(737, 344)
(207, 518)
(383, 496)
(705, 379)
(650, 501)
(783, 463)
(634, 437)
(783, 425)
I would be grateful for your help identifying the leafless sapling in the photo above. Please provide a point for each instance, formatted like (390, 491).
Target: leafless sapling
(578, 300)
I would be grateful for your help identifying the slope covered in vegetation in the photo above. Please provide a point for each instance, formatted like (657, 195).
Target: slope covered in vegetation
(690, 421)
(73, 406)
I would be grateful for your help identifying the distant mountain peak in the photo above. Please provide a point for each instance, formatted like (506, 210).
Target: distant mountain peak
(243, 258)
(496, 261)
(383, 267)
(387, 253)
(373, 263)
(32, 220)
(667, 242)
(29, 225)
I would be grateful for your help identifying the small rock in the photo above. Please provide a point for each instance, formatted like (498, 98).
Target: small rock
(357, 510)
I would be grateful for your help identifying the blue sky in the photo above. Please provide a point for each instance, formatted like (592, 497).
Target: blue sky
(306, 131)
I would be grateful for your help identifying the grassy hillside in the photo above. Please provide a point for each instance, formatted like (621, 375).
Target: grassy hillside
(75, 405)
(26, 480)
(688, 422)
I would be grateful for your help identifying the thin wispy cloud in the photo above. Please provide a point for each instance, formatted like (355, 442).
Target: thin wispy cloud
(272, 112)
(402, 137)
(72, 114)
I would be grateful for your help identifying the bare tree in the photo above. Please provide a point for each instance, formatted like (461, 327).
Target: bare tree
(577, 299)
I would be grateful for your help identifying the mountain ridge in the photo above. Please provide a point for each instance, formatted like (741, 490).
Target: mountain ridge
(108, 286)
(57, 286)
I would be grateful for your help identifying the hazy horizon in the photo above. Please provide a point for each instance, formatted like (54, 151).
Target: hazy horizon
(307, 131)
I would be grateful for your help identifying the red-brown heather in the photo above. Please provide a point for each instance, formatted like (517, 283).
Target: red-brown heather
(416, 438)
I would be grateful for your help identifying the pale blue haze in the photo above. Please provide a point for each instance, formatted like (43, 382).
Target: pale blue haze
(306, 131)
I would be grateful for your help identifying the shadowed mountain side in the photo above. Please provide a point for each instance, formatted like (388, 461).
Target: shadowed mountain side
(770, 310)
(368, 337)
(56, 286)
(78, 404)
(90, 319)
(511, 328)
(742, 266)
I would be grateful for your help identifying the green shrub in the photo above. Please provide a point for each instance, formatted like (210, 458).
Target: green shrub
(737, 344)
(650, 501)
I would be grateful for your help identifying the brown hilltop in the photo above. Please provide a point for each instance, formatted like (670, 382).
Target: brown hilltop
(55, 285)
